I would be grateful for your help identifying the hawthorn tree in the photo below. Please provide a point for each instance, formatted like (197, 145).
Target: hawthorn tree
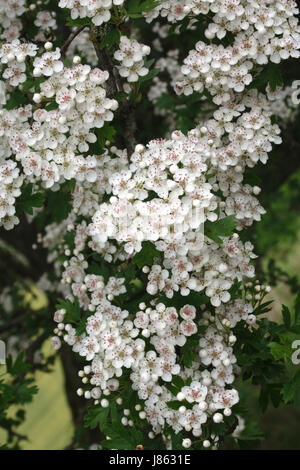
(136, 137)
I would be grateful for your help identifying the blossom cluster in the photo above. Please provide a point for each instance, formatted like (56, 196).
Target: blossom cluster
(131, 55)
(52, 147)
(114, 341)
(10, 11)
(98, 10)
(262, 32)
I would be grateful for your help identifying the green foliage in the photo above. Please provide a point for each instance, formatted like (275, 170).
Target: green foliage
(29, 200)
(17, 367)
(96, 416)
(271, 74)
(111, 38)
(291, 389)
(136, 7)
(106, 133)
(188, 355)
(72, 310)
(150, 75)
(146, 255)
(184, 109)
(16, 99)
(282, 350)
(221, 228)
(119, 437)
(78, 22)
(58, 205)
(250, 436)
(32, 83)
(16, 389)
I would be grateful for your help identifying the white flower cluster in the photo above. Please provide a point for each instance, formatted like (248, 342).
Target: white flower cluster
(13, 56)
(113, 343)
(229, 15)
(11, 179)
(10, 10)
(131, 54)
(98, 10)
(263, 32)
(184, 265)
(45, 20)
(54, 147)
(188, 267)
(10, 184)
(171, 174)
(174, 171)
(48, 64)
(130, 217)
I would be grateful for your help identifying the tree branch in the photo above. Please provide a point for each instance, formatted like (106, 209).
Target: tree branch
(71, 38)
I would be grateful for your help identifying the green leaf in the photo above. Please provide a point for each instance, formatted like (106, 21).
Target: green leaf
(282, 350)
(286, 316)
(150, 75)
(149, 5)
(187, 352)
(271, 74)
(19, 366)
(116, 423)
(221, 228)
(269, 392)
(290, 389)
(110, 39)
(24, 391)
(250, 436)
(72, 310)
(178, 382)
(79, 22)
(118, 443)
(32, 83)
(81, 327)
(16, 99)
(166, 101)
(58, 205)
(51, 106)
(117, 440)
(107, 132)
(297, 309)
(96, 416)
(146, 255)
(27, 201)
(135, 7)
(174, 404)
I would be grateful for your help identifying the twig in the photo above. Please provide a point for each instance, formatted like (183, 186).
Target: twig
(34, 346)
(104, 63)
(71, 38)
(127, 110)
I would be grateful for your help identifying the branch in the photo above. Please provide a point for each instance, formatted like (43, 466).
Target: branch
(104, 62)
(34, 346)
(71, 38)
(127, 110)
